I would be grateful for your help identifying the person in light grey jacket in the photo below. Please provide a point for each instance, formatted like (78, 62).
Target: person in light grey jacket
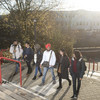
(16, 51)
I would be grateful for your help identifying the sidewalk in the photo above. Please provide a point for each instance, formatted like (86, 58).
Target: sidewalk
(90, 89)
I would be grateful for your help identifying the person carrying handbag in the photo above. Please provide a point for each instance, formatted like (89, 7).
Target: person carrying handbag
(63, 67)
(48, 62)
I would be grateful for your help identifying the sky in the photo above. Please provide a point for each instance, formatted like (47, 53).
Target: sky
(66, 5)
(90, 5)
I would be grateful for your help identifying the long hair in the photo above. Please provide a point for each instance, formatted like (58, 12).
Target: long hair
(78, 54)
(64, 53)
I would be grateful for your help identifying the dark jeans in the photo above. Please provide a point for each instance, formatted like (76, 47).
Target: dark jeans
(29, 67)
(76, 87)
(60, 81)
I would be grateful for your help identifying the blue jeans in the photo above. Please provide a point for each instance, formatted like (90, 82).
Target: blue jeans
(17, 64)
(45, 72)
(36, 70)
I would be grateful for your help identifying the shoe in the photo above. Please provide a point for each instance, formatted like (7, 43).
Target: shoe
(54, 82)
(34, 78)
(42, 84)
(40, 75)
(23, 68)
(59, 87)
(70, 83)
(74, 97)
(15, 73)
(29, 72)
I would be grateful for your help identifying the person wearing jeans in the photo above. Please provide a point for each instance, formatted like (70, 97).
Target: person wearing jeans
(45, 72)
(17, 65)
(77, 71)
(76, 89)
(16, 51)
(37, 60)
(36, 71)
(48, 56)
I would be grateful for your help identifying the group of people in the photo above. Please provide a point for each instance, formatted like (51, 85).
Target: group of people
(47, 60)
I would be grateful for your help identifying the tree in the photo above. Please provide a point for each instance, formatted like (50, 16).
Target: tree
(23, 12)
(20, 20)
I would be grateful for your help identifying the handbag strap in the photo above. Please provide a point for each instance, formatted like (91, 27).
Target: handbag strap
(50, 56)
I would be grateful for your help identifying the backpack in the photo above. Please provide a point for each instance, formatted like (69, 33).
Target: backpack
(85, 68)
(19, 48)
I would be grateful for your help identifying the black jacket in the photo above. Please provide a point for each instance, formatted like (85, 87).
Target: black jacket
(80, 68)
(29, 53)
(39, 57)
(64, 63)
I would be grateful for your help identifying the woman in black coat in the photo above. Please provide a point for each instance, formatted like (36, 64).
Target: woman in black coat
(77, 70)
(63, 68)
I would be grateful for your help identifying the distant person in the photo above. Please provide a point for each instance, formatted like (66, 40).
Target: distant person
(63, 68)
(48, 62)
(77, 70)
(37, 59)
(28, 56)
(16, 51)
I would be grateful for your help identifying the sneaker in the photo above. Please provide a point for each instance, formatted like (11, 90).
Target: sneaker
(59, 87)
(15, 73)
(40, 75)
(34, 78)
(54, 82)
(23, 68)
(42, 84)
(74, 97)
(27, 75)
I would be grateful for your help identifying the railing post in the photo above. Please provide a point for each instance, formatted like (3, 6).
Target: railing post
(97, 66)
(89, 65)
(20, 75)
(0, 73)
(93, 65)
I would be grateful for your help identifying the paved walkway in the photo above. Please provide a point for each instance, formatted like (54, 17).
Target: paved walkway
(90, 89)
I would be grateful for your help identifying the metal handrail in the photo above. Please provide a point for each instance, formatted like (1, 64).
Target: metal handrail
(12, 61)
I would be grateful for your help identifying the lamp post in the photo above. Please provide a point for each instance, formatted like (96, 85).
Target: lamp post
(35, 31)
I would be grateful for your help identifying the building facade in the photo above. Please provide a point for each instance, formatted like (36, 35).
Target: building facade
(80, 20)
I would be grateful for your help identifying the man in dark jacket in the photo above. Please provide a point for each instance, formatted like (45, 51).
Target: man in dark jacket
(77, 70)
(28, 56)
(37, 59)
